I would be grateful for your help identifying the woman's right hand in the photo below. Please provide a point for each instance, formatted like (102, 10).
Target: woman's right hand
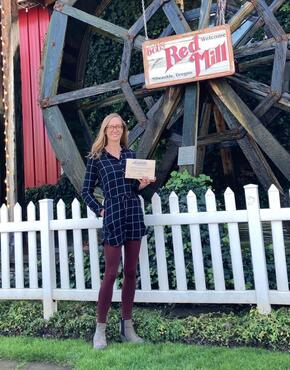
(102, 213)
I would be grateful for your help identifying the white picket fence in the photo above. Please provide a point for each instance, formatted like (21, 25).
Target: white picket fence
(38, 238)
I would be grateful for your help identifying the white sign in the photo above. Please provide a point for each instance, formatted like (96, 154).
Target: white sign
(186, 155)
(188, 57)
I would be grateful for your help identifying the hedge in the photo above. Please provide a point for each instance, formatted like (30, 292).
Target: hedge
(154, 323)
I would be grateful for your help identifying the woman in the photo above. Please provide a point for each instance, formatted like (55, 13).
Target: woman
(123, 222)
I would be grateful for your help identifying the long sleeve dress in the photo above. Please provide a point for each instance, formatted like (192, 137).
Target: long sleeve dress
(123, 215)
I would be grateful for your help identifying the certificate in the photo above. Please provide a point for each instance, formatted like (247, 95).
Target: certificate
(138, 168)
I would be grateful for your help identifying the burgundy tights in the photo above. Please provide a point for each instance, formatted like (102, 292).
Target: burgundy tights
(112, 260)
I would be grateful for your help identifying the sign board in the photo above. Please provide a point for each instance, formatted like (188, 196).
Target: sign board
(186, 155)
(189, 57)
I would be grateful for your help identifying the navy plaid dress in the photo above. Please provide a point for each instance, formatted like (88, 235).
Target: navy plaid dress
(123, 215)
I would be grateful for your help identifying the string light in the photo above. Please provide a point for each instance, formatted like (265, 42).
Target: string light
(5, 67)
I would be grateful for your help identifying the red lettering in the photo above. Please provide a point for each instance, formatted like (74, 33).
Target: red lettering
(209, 57)
(194, 45)
(224, 51)
(183, 52)
(172, 57)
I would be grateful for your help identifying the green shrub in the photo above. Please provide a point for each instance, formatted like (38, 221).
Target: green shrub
(77, 320)
(63, 189)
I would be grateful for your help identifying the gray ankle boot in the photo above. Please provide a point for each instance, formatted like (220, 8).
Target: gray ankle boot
(128, 333)
(99, 341)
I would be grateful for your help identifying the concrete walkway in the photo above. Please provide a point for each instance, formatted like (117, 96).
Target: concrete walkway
(22, 365)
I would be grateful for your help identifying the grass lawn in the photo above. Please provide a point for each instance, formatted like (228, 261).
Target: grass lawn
(169, 356)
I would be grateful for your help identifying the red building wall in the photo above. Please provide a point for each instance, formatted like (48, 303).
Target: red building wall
(40, 164)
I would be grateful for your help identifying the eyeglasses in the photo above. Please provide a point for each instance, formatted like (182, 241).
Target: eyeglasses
(116, 127)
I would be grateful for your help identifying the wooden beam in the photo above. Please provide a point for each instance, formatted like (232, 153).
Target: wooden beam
(190, 121)
(125, 86)
(254, 127)
(175, 17)
(177, 114)
(279, 59)
(267, 15)
(83, 52)
(205, 10)
(103, 27)
(243, 13)
(220, 137)
(190, 15)
(53, 55)
(203, 131)
(149, 101)
(164, 167)
(149, 12)
(64, 146)
(158, 117)
(87, 92)
(259, 90)
(118, 98)
(250, 149)
(215, 138)
(80, 94)
(257, 47)
(258, 24)
(85, 129)
(226, 155)
(248, 64)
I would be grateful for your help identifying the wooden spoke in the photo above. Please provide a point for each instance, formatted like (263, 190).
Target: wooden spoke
(250, 149)
(134, 105)
(158, 117)
(85, 129)
(254, 127)
(257, 47)
(243, 13)
(279, 59)
(53, 55)
(126, 59)
(149, 12)
(259, 90)
(103, 27)
(64, 146)
(118, 98)
(81, 93)
(244, 126)
(269, 18)
(258, 24)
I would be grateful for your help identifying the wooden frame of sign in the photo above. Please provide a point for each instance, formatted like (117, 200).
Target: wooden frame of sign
(192, 56)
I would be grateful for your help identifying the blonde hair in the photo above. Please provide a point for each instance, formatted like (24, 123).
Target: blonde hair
(101, 139)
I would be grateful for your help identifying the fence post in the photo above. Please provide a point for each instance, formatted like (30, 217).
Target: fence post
(47, 258)
(257, 249)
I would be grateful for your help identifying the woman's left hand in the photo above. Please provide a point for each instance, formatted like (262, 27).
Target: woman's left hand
(145, 181)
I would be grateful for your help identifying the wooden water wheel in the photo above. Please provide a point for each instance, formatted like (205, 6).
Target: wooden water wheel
(62, 87)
